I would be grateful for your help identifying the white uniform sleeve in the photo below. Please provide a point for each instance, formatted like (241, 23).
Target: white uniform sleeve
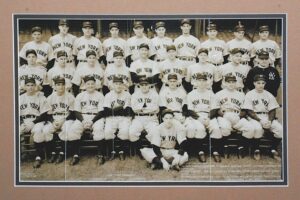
(180, 132)
(101, 101)
(107, 100)
(247, 103)
(127, 100)
(135, 105)
(213, 102)
(77, 77)
(273, 103)
(44, 106)
(22, 53)
(77, 106)
(162, 99)
(156, 140)
(50, 52)
(277, 51)
(72, 102)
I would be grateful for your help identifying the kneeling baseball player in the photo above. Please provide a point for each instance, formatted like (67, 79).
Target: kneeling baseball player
(163, 153)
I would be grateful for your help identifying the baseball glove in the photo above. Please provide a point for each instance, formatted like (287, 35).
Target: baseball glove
(266, 124)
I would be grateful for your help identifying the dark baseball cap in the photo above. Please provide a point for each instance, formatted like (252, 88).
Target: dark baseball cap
(89, 78)
(87, 24)
(259, 77)
(211, 26)
(166, 111)
(90, 52)
(29, 80)
(118, 53)
(144, 45)
(185, 21)
(63, 22)
(264, 28)
(235, 51)
(61, 53)
(138, 24)
(113, 25)
(239, 27)
(59, 79)
(230, 77)
(263, 54)
(36, 29)
(160, 24)
(172, 76)
(203, 50)
(117, 79)
(201, 76)
(171, 47)
(30, 51)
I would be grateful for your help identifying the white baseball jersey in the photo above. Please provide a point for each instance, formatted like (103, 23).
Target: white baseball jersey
(187, 45)
(160, 47)
(260, 101)
(83, 44)
(43, 50)
(61, 105)
(65, 43)
(67, 72)
(33, 105)
(230, 100)
(201, 101)
(240, 71)
(172, 67)
(39, 74)
(148, 67)
(216, 50)
(133, 44)
(172, 99)
(86, 70)
(243, 44)
(270, 46)
(208, 69)
(89, 103)
(121, 72)
(113, 100)
(149, 102)
(111, 45)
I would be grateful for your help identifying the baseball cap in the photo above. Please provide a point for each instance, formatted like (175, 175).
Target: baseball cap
(259, 77)
(87, 24)
(29, 80)
(203, 50)
(117, 79)
(263, 28)
(90, 52)
(118, 53)
(230, 77)
(59, 79)
(113, 24)
(30, 51)
(239, 27)
(263, 54)
(171, 47)
(201, 76)
(160, 24)
(185, 21)
(166, 111)
(144, 45)
(172, 76)
(89, 78)
(211, 26)
(235, 51)
(137, 24)
(61, 53)
(36, 29)
(63, 22)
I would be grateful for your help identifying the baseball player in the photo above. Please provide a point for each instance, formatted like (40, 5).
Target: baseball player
(217, 50)
(117, 69)
(89, 68)
(63, 41)
(236, 68)
(88, 105)
(163, 145)
(135, 41)
(61, 69)
(114, 43)
(118, 117)
(145, 105)
(187, 45)
(264, 43)
(231, 117)
(173, 98)
(261, 108)
(263, 67)
(201, 115)
(86, 43)
(43, 50)
(241, 43)
(203, 67)
(160, 42)
(32, 70)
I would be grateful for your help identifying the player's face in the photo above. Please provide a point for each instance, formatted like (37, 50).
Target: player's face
(259, 85)
(212, 34)
(37, 36)
(172, 83)
(60, 88)
(30, 88)
(63, 29)
(186, 28)
(62, 60)
(118, 60)
(31, 59)
(239, 34)
(118, 87)
(144, 53)
(168, 119)
(145, 88)
(91, 60)
(265, 62)
(172, 54)
(90, 86)
(201, 84)
(264, 35)
(160, 31)
(236, 58)
(114, 32)
(231, 85)
(87, 31)
(139, 31)
(203, 57)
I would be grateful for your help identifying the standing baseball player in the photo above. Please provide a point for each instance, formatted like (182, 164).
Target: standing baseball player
(145, 105)
(88, 105)
(231, 117)
(240, 42)
(160, 42)
(163, 153)
(187, 46)
(201, 115)
(86, 43)
(90, 68)
(271, 74)
(135, 41)
(43, 49)
(63, 41)
(114, 43)
(261, 108)
(117, 69)
(118, 117)
(265, 44)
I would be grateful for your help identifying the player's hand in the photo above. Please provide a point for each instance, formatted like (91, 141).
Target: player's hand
(22, 129)
(205, 121)
(266, 124)
(166, 165)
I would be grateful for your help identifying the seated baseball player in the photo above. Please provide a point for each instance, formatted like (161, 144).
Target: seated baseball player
(173, 98)
(118, 118)
(145, 105)
(264, 67)
(261, 108)
(33, 108)
(201, 115)
(163, 153)
(231, 117)
(88, 105)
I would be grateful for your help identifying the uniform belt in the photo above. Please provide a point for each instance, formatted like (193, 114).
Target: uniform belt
(166, 148)
(231, 110)
(186, 58)
(177, 111)
(27, 116)
(202, 112)
(69, 61)
(59, 113)
(89, 113)
(262, 113)
(145, 114)
(82, 60)
(160, 60)
(110, 62)
(216, 64)
(245, 63)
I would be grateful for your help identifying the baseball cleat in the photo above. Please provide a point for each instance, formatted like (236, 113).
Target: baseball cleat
(202, 157)
(241, 152)
(275, 155)
(176, 168)
(217, 157)
(100, 160)
(226, 151)
(74, 160)
(52, 158)
(112, 156)
(121, 155)
(60, 158)
(37, 163)
(256, 155)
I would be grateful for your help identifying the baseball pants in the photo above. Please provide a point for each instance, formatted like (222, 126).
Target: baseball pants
(140, 123)
(117, 122)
